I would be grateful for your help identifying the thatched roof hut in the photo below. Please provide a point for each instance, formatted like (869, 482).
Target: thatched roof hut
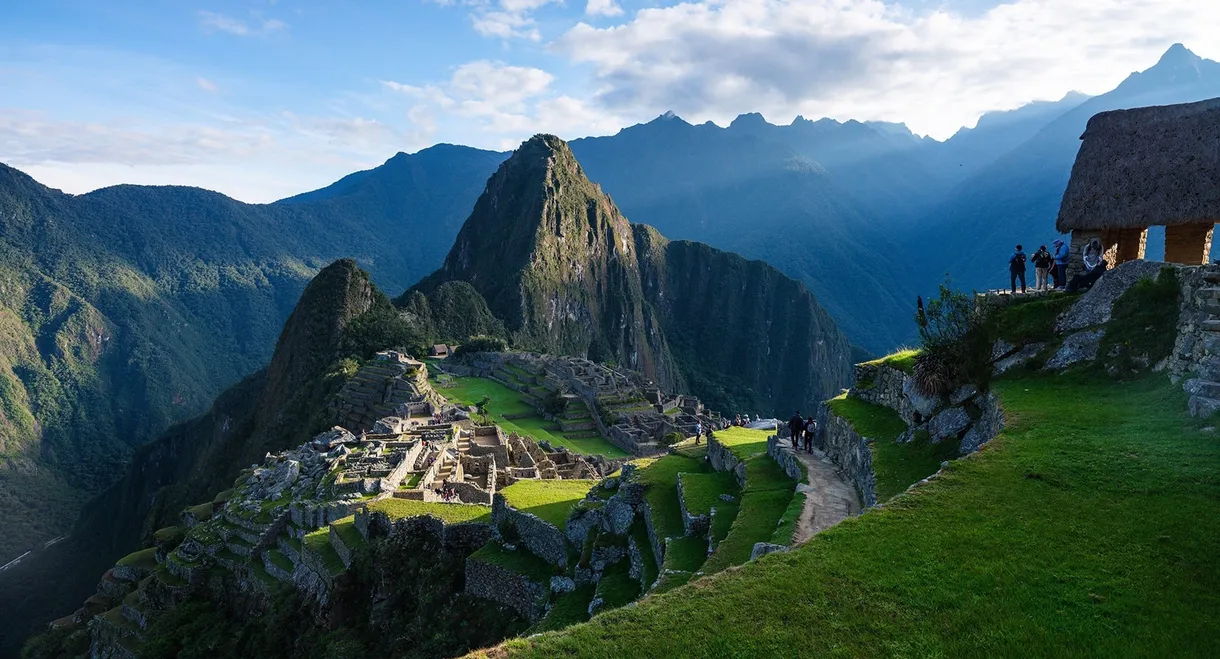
(1146, 167)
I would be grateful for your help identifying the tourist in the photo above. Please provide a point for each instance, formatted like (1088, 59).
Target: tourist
(811, 426)
(796, 425)
(1016, 270)
(1062, 253)
(1094, 268)
(698, 431)
(709, 433)
(1042, 264)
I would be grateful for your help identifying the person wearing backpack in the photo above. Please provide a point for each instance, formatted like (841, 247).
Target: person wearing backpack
(1063, 253)
(1042, 265)
(1016, 270)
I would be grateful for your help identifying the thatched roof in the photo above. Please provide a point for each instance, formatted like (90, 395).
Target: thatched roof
(1146, 167)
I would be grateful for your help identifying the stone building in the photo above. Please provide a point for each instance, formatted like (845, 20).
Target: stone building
(1153, 166)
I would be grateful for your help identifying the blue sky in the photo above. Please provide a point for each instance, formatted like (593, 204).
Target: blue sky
(262, 99)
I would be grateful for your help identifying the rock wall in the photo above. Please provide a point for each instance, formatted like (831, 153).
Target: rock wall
(540, 537)
(882, 385)
(849, 451)
(722, 459)
(781, 451)
(506, 587)
(691, 524)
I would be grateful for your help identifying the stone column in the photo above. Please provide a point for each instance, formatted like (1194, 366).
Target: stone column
(1188, 243)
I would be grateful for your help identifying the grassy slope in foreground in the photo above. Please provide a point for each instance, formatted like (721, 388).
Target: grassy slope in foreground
(1081, 530)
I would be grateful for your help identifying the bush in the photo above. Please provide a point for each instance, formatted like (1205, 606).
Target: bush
(956, 339)
(481, 343)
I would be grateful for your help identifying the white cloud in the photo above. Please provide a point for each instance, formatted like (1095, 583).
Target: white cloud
(603, 8)
(865, 59)
(205, 84)
(504, 103)
(505, 25)
(213, 22)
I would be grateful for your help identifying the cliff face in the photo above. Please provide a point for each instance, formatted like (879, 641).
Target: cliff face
(275, 407)
(568, 274)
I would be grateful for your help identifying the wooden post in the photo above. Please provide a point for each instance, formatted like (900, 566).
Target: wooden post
(1190, 244)
(1122, 245)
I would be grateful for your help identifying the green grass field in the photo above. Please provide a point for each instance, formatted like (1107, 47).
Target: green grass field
(450, 513)
(743, 442)
(1084, 529)
(661, 479)
(520, 561)
(903, 360)
(550, 500)
(701, 492)
(505, 401)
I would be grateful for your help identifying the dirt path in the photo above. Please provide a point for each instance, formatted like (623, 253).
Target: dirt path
(828, 498)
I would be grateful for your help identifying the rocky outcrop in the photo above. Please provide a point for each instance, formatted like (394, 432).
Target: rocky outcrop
(1079, 347)
(499, 584)
(850, 453)
(722, 459)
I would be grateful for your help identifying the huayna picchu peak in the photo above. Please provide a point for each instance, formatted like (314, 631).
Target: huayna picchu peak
(558, 262)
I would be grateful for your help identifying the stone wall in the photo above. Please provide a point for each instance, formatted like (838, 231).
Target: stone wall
(850, 453)
(781, 451)
(691, 524)
(540, 537)
(882, 385)
(722, 459)
(502, 585)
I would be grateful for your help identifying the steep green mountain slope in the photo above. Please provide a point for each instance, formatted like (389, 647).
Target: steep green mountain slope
(129, 308)
(275, 407)
(567, 273)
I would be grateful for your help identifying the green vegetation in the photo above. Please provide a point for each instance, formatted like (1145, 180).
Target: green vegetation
(1143, 323)
(616, 587)
(508, 402)
(660, 479)
(568, 609)
(1075, 532)
(318, 543)
(551, 500)
(1031, 320)
(346, 529)
(896, 466)
(450, 513)
(787, 521)
(413, 480)
(281, 561)
(903, 360)
(639, 532)
(170, 535)
(743, 442)
(702, 491)
(685, 553)
(756, 521)
(144, 558)
(722, 521)
(520, 561)
(202, 512)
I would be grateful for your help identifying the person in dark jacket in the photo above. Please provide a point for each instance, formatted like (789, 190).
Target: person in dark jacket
(811, 428)
(796, 425)
(1042, 266)
(1094, 268)
(1062, 253)
(1016, 270)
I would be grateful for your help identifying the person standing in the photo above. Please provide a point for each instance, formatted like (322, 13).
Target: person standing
(811, 426)
(1062, 253)
(796, 425)
(1016, 270)
(698, 431)
(1042, 264)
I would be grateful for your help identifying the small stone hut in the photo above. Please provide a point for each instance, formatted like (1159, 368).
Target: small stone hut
(1146, 167)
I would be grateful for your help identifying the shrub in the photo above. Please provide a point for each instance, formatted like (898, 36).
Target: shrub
(481, 343)
(956, 338)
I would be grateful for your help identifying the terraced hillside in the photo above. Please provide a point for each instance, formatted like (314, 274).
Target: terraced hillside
(1074, 532)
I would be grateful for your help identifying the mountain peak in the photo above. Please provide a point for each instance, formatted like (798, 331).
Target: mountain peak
(1178, 54)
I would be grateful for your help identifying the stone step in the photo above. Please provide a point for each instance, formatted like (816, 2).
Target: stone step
(1212, 292)
(1212, 276)
(1211, 325)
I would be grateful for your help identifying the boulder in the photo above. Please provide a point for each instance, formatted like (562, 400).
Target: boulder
(925, 405)
(963, 394)
(1079, 347)
(617, 516)
(764, 548)
(336, 435)
(948, 423)
(562, 585)
(1001, 349)
(1019, 358)
(1094, 307)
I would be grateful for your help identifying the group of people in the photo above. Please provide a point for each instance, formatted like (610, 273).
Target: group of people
(742, 420)
(1052, 267)
(446, 493)
(802, 430)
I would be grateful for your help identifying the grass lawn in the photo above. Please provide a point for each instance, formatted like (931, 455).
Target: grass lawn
(903, 360)
(661, 481)
(757, 518)
(450, 513)
(726, 514)
(896, 466)
(568, 609)
(520, 561)
(281, 561)
(346, 529)
(616, 587)
(787, 521)
(743, 442)
(1080, 531)
(640, 533)
(686, 553)
(318, 542)
(505, 401)
(145, 558)
(702, 491)
(550, 500)
(1032, 320)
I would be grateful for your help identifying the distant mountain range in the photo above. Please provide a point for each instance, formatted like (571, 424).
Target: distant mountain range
(130, 308)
